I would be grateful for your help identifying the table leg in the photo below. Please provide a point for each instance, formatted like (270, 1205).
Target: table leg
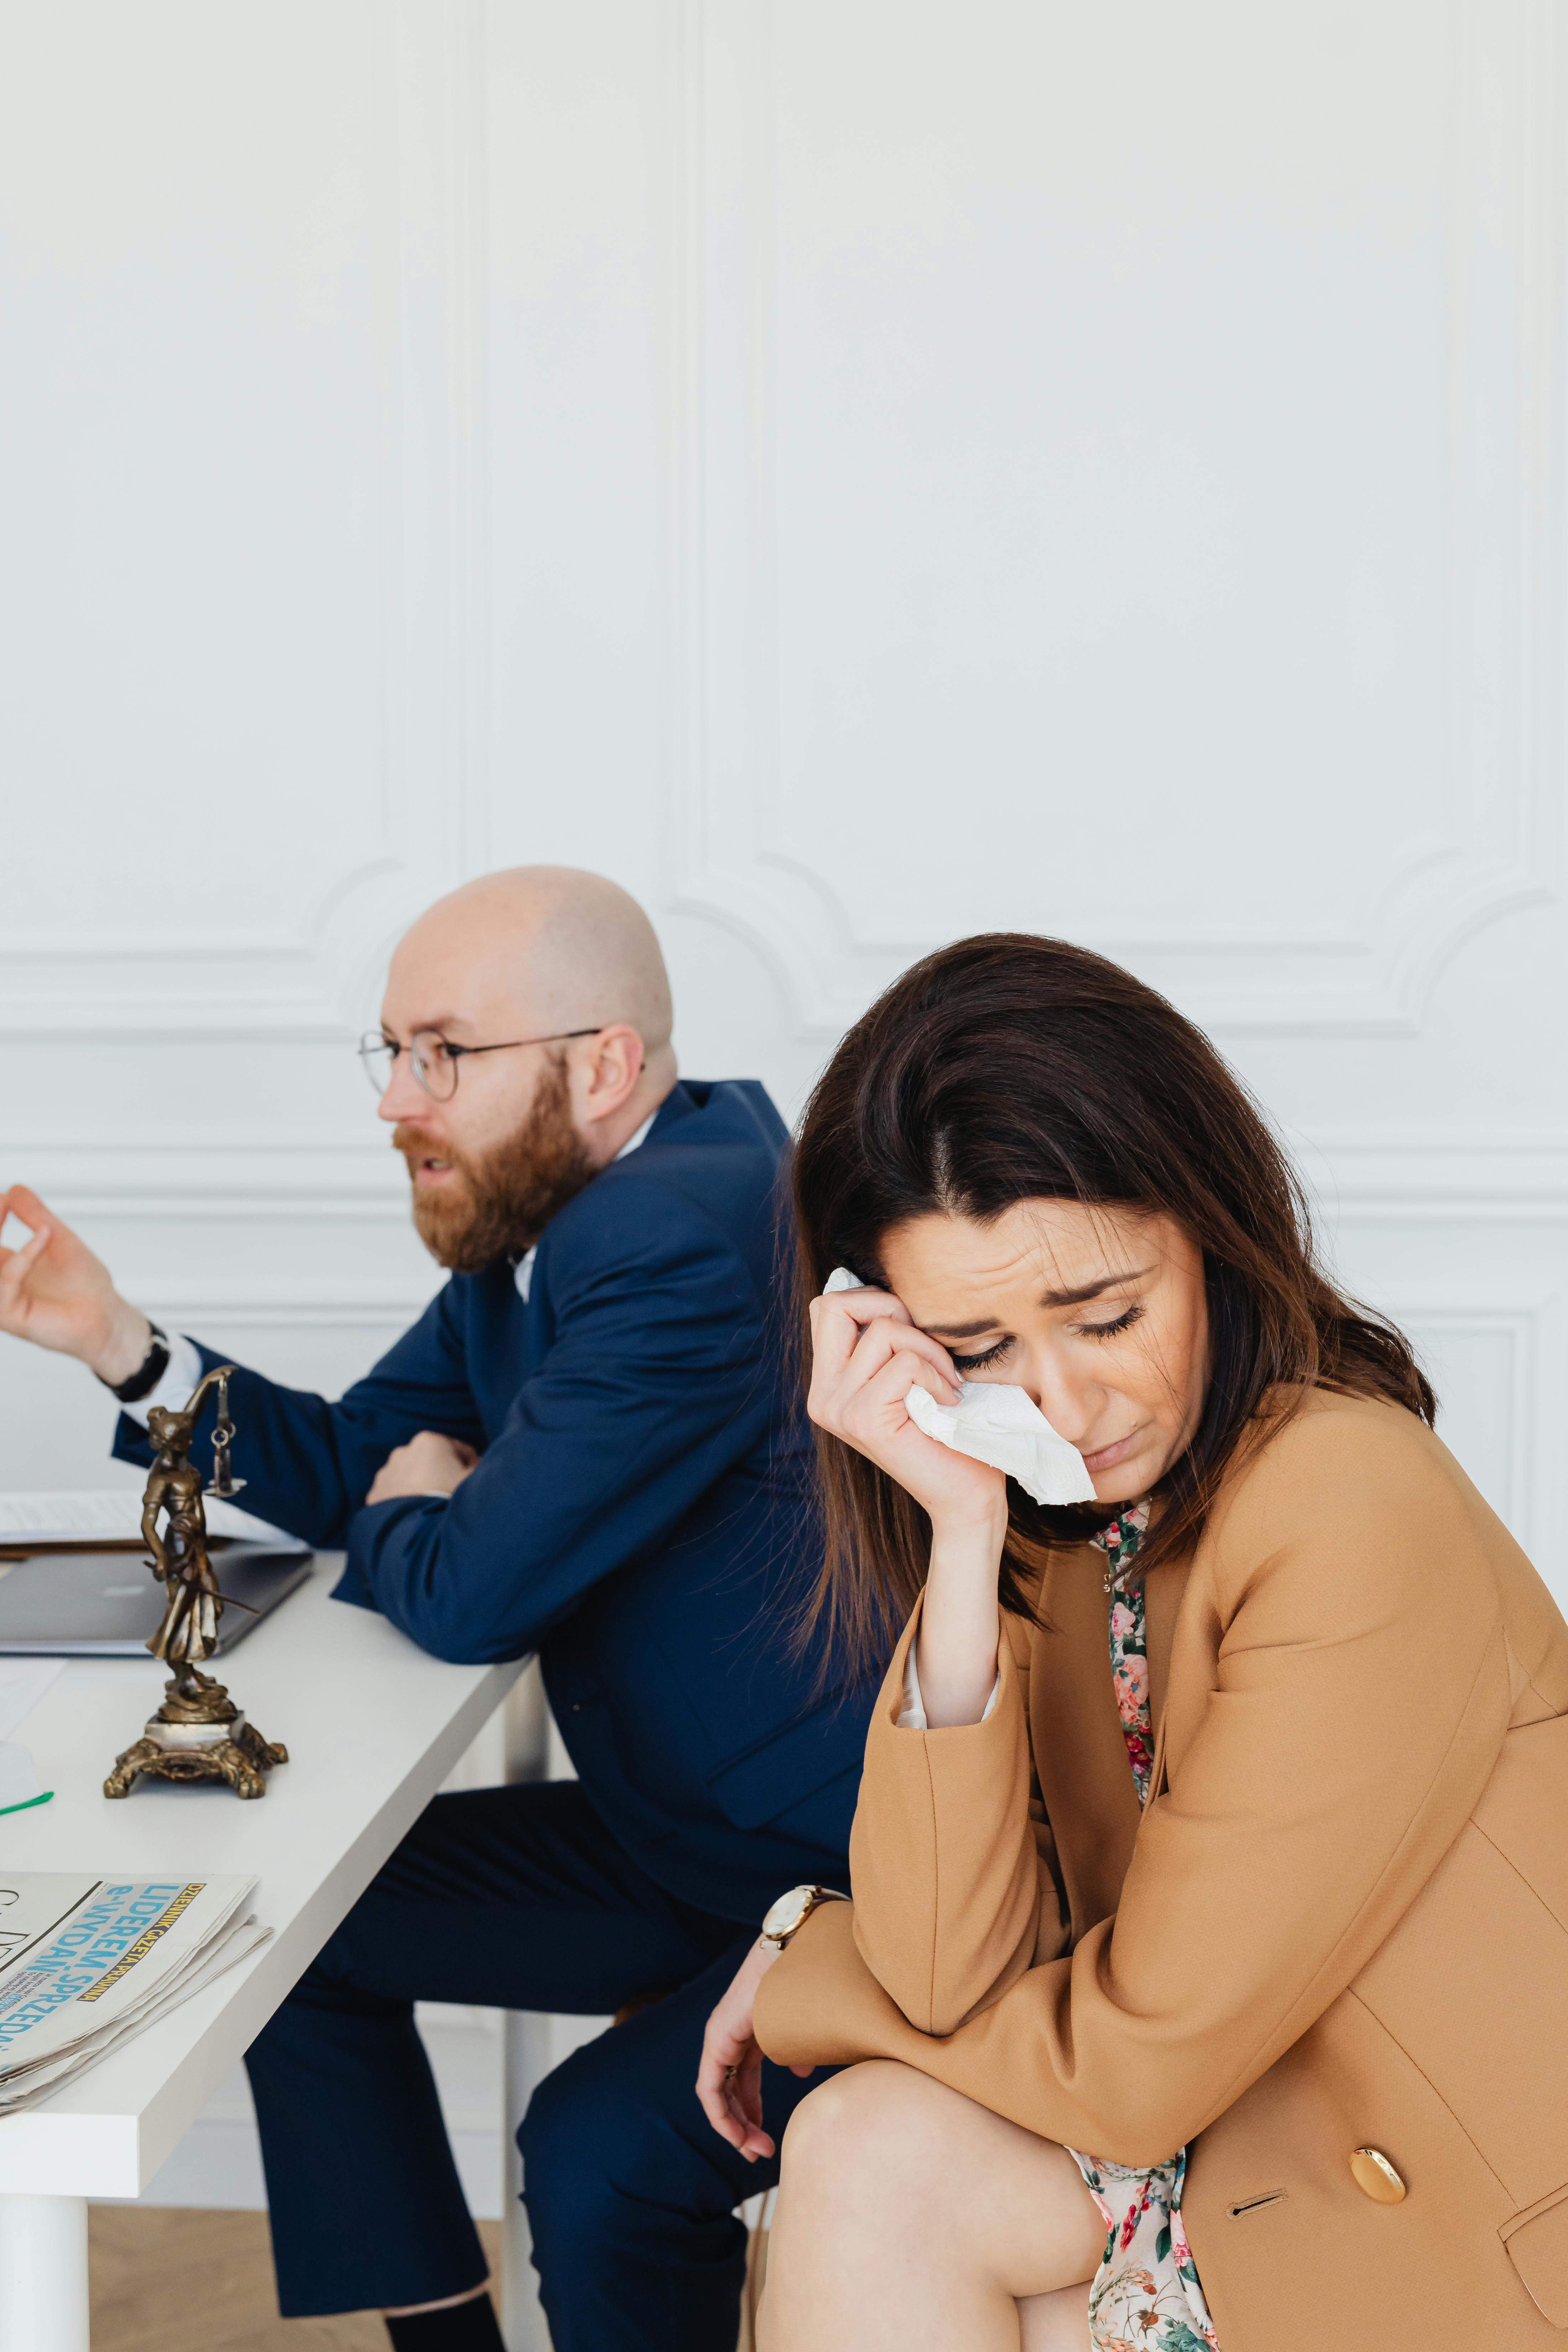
(43, 2274)
(526, 2043)
(523, 2322)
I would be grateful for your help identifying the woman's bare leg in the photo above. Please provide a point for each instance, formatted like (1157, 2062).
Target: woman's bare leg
(910, 2220)
(1056, 2323)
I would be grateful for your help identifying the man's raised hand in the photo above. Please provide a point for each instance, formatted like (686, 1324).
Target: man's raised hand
(55, 1292)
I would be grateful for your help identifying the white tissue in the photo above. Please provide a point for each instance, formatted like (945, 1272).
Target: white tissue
(998, 1423)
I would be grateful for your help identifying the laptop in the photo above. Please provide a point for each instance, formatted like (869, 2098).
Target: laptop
(105, 1604)
(74, 1583)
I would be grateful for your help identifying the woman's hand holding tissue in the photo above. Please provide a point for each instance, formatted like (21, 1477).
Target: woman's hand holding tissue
(866, 1356)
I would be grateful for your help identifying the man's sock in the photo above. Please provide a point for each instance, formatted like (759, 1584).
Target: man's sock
(461, 2328)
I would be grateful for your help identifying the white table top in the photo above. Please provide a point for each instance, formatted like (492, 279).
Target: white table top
(372, 1726)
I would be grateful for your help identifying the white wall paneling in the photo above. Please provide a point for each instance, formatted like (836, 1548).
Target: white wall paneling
(1464, 1243)
(1149, 419)
(858, 474)
(159, 1175)
(285, 299)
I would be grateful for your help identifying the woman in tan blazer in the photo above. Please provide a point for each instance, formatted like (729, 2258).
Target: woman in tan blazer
(1211, 1864)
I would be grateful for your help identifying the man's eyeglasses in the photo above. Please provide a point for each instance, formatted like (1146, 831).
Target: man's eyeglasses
(434, 1061)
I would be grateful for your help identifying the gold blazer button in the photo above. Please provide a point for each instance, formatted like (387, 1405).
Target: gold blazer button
(1374, 2173)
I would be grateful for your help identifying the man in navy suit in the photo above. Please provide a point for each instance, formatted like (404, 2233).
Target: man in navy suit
(585, 1447)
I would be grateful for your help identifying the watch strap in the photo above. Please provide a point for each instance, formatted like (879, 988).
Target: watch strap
(148, 1373)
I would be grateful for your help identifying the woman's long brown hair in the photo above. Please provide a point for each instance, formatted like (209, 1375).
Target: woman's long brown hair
(1010, 1068)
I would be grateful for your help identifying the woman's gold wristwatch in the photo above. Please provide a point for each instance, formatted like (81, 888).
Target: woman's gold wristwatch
(789, 1914)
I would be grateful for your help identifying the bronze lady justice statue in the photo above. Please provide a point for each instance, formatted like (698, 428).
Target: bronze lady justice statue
(199, 1733)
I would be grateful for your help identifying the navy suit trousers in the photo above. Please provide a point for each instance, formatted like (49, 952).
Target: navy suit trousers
(514, 1898)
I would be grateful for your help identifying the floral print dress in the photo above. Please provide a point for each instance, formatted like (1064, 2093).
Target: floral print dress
(1146, 2296)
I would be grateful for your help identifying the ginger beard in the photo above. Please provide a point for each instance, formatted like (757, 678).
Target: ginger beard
(507, 1194)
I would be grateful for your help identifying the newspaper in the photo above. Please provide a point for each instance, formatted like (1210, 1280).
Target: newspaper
(85, 1963)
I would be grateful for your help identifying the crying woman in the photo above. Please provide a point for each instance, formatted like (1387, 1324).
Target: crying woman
(1205, 1982)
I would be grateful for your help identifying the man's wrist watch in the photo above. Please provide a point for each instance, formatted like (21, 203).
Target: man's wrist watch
(148, 1373)
(789, 1914)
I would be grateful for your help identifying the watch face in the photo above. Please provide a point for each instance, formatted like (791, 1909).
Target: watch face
(788, 1912)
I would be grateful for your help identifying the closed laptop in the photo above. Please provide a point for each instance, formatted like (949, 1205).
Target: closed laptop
(78, 1603)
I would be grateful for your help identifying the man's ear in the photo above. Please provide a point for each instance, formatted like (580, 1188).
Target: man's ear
(611, 1065)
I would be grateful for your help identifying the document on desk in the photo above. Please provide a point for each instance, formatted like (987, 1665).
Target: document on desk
(111, 1516)
(86, 1962)
(23, 1682)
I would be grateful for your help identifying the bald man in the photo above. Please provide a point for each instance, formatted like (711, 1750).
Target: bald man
(583, 1447)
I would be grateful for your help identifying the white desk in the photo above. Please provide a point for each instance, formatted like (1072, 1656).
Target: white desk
(373, 1727)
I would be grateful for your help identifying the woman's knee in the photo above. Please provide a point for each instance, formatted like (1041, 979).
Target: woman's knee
(886, 2148)
(873, 2122)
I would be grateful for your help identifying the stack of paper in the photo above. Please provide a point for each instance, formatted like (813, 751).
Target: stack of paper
(113, 1515)
(86, 1962)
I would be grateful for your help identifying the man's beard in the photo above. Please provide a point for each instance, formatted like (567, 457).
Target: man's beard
(507, 1194)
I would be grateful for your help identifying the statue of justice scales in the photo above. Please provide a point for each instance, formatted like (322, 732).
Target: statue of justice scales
(199, 1733)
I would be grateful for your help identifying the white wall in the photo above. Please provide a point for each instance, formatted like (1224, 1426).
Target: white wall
(857, 473)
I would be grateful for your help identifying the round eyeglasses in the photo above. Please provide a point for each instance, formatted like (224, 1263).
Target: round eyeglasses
(434, 1059)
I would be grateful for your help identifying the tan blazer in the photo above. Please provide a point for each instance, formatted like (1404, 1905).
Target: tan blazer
(1342, 1921)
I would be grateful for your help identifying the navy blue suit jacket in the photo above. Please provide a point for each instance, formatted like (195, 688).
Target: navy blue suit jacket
(641, 1514)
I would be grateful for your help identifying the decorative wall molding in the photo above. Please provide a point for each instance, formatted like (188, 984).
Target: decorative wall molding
(1526, 1319)
(1443, 1174)
(1352, 1172)
(271, 1175)
(285, 1301)
(1492, 845)
(213, 980)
